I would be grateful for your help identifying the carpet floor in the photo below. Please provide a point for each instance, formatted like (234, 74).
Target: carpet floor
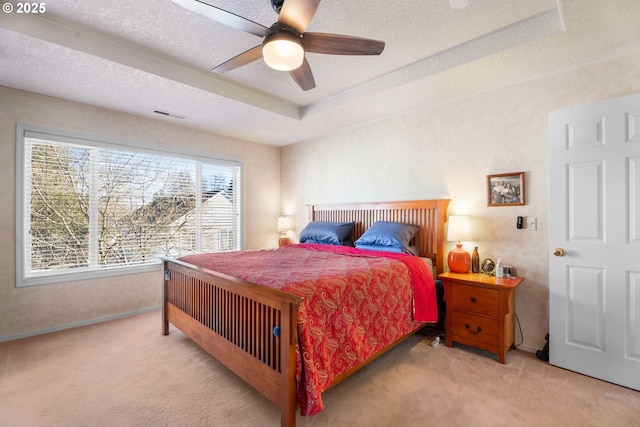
(125, 373)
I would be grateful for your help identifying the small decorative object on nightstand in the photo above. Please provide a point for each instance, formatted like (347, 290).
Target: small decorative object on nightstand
(480, 311)
(458, 229)
(285, 224)
(475, 261)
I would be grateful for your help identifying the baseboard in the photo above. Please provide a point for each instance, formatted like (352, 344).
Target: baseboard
(78, 324)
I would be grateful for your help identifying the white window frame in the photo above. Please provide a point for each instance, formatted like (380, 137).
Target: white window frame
(53, 277)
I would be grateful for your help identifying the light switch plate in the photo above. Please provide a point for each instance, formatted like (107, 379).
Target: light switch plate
(532, 223)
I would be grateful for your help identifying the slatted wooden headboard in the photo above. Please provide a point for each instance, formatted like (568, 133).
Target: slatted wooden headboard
(429, 215)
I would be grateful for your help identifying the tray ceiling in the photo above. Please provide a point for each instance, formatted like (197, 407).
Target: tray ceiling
(145, 55)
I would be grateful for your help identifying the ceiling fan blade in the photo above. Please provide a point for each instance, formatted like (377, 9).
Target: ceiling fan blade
(303, 76)
(224, 17)
(246, 57)
(338, 44)
(297, 14)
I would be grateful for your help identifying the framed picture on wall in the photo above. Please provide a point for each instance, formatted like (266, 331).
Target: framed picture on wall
(505, 189)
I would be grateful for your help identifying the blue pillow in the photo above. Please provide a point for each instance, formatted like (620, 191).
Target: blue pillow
(380, 248)
(392, 234)
(411, 250)
(327, 233)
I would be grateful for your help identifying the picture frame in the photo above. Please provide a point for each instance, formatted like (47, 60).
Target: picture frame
(506, 189)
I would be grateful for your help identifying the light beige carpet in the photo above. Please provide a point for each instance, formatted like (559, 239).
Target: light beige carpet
(125, 373)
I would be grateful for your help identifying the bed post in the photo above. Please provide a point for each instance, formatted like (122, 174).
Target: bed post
(440, 233)
(165, 297)
(288, 340)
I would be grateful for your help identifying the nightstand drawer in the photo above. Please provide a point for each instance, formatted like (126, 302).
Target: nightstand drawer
(475, 330)
(473, 299)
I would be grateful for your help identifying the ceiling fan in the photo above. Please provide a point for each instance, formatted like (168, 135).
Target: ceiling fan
(285, 43)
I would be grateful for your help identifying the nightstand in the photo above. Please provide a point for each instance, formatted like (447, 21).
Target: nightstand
(480, 311)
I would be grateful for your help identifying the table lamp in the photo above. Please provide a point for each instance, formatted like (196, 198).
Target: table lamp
(458, 229)
(285, 223)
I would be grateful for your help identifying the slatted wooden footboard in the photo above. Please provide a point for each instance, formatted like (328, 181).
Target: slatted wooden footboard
(252, 329)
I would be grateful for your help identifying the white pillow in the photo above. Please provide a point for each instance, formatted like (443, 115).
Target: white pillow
(430, 266)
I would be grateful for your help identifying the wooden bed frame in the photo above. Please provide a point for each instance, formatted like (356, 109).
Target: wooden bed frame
(251, 329)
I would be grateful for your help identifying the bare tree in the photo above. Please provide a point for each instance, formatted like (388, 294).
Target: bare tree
(59, 223)
(142, 204)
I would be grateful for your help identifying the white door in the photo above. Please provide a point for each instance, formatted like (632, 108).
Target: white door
(594, 223)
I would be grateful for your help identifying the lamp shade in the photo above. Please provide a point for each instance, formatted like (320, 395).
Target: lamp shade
(458, 229)
(285, 223)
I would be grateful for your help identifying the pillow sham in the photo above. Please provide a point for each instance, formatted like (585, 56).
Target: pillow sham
(380, 248)
(391, 234)
(410, 250)
(327, 233)
(430, 266)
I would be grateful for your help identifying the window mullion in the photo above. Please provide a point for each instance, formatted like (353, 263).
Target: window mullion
(26, 218)
(94, 197)
(237, 208)
(198, 195)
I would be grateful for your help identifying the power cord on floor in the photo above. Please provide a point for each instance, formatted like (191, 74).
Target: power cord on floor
(520, 328)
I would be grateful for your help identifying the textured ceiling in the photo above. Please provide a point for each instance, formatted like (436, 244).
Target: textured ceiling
(138, 56)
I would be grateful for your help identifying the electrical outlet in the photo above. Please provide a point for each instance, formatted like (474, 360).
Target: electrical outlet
(532, 223)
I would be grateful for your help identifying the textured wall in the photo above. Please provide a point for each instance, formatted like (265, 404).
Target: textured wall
(444, 151)
(24, 310)
(447, 151)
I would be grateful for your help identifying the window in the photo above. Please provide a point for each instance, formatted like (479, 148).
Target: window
(89, 207)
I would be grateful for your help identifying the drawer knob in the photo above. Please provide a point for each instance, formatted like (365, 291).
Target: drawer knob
(477, 331)
(473, 299)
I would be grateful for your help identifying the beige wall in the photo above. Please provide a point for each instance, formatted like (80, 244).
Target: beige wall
(444, 151)
(27, 310)
(447, 151)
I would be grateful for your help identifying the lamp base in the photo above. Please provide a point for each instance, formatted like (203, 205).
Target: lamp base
(459, 259)
(284, 241)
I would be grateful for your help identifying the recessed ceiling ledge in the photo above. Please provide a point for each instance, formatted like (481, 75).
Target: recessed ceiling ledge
(535, 28)
(116, 50)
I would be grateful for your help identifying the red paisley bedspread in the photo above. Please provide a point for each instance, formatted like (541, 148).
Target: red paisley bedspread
(356, 302)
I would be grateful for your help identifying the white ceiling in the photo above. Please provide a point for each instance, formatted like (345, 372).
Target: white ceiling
(139, 55)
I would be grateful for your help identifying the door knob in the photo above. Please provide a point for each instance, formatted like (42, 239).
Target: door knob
(558, 252)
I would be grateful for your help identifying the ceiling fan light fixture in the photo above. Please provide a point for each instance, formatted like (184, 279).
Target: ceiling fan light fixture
(282, 51)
